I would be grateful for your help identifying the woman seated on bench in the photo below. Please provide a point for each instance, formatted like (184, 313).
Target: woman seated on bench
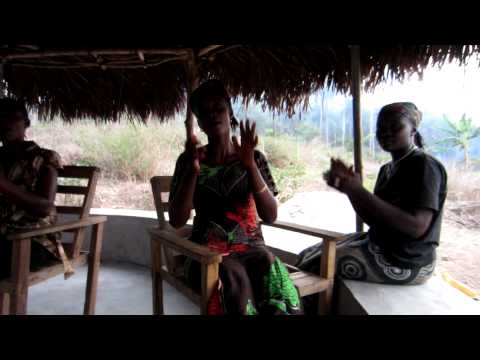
(228, 184)
(28, 183)
(404, 212)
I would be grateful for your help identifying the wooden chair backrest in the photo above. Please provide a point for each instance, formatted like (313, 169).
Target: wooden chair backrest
(90, 173)
(161, 191)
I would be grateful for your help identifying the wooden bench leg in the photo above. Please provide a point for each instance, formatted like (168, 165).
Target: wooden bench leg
(4, 303)
(20, 271)
(93, 268)
(157, 283)
(325, 301)
(327, 271)
(209, 281)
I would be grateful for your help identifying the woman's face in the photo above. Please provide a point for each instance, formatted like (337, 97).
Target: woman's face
(394, 133)
(214, 116)
(12, 128)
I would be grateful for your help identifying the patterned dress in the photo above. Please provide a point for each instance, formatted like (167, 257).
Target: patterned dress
(252, 280)
(23, 171)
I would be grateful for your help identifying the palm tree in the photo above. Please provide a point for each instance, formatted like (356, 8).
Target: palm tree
(344, 120)
(460, 134)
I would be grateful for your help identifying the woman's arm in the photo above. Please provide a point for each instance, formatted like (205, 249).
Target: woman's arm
(186, 173)
(39, 203)
(181, 202)
(264, 199)
(377, 211)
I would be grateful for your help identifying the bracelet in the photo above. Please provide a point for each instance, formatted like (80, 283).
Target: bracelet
(261, 191)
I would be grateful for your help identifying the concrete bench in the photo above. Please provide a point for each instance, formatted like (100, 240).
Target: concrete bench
(435, 297)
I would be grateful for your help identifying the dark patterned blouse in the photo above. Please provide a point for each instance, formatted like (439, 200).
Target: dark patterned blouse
(24, 172)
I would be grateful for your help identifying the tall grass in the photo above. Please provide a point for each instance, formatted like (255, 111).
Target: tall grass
(462, 185)
(124, 151)
(133, 151)
(129, 154)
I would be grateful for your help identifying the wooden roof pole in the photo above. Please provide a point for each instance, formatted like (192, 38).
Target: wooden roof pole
(49, 54)
(2, 85)
(192, 77)
(357, 121)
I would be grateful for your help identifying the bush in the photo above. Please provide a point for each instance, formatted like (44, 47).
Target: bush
(281, 151)
(288, 180)
(132, 151)
(284, 156)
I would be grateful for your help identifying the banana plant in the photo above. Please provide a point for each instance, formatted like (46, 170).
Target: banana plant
(459, 134)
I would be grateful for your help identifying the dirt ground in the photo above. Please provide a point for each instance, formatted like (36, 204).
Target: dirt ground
(459, 253)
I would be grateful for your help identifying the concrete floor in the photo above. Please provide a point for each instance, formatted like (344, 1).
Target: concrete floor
(126, 289)
(123, 289)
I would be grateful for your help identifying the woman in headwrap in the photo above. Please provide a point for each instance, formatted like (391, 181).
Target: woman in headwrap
(229, 184)
(404, 213)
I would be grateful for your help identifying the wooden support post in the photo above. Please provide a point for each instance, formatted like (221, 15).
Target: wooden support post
(209, 281)
(357, 121)
(192, 76)
(93, 268)
(4, 303)
(157, 284)
(2, 84)
(20, 271)
(327, 271)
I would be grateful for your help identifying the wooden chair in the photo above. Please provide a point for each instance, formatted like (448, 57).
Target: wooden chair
(14, 291)
(172, 246)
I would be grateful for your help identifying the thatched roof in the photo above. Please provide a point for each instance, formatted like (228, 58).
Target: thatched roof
(102, 84)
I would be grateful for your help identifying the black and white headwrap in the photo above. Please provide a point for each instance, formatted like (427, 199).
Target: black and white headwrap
(408, 111)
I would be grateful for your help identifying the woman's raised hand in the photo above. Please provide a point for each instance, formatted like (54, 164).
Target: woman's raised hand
(342, 177)
(249, 140)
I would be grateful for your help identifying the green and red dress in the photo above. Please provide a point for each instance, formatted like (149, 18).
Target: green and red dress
(252, 280)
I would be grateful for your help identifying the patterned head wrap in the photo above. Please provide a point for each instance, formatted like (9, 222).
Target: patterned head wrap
(404, 109)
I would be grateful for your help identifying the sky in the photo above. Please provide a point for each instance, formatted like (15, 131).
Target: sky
(451, 90)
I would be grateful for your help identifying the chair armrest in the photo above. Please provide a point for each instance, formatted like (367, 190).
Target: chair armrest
(185, 247)
(307, 230)
(184, 232)
(76, 224)
(287, 257)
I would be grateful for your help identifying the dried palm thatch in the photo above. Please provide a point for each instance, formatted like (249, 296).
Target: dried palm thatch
(103, 84)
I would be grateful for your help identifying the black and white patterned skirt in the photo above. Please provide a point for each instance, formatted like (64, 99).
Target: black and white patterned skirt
(360, 259)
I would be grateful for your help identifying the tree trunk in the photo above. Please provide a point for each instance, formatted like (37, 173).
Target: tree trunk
(371, 136)
(274, 127)
(466, 156)
(373, 147)
(334, 135)
(325, 121)
(321, 116)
